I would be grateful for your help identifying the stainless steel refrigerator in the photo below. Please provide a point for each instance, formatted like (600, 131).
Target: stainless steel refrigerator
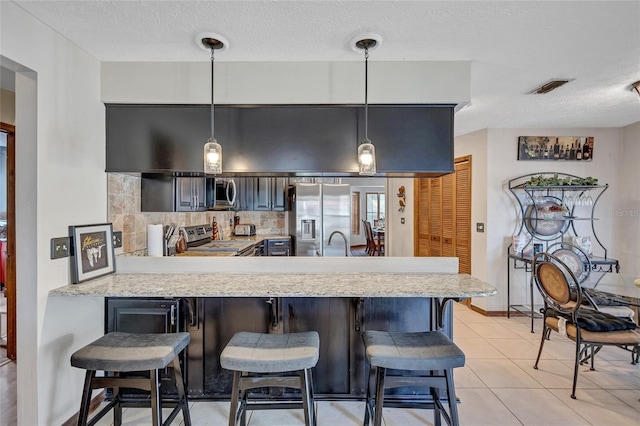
(318, 212)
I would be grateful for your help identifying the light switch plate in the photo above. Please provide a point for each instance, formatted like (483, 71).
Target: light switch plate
(402, 220)
(60, 247)
(117, 239)
(479, 227)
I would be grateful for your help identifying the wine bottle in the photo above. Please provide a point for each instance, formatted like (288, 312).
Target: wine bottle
(586, 155)
(579, 151)
(566, 152)
(572, 153)
(556, 150)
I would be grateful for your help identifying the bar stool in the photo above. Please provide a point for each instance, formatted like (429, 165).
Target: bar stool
(259, 360)
(429, 351)
(124, 352)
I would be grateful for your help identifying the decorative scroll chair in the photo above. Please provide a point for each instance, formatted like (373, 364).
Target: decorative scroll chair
(430, 357)
(266, 360)
(564, 313)
(126, 352)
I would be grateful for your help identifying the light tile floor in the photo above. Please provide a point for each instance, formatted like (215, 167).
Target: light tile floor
(497, 386)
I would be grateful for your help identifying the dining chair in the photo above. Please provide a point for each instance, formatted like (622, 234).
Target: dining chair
(564, 313)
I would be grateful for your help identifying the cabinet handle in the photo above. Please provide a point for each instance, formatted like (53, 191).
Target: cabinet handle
(273, 311)
(173, 315)
(358, 313)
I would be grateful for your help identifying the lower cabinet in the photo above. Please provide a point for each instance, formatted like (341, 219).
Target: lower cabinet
(139, 315)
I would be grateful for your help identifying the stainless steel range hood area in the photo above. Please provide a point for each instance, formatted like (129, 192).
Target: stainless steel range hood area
(277, 140)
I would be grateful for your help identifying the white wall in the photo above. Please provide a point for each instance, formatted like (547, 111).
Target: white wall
(60, 181)
(627, 218)
(501, 214)
(286, 82)
(401, 235)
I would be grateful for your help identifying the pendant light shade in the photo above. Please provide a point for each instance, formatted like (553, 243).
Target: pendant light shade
(212, 149)
(366, 150)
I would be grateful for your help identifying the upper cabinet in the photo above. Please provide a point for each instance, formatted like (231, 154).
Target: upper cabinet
(270, 194)
(410, 140)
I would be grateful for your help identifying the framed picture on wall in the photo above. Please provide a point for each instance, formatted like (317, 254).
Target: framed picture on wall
(92, 251)
(556, 148)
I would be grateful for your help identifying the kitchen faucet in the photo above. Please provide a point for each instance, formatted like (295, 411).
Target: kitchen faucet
(344, 237)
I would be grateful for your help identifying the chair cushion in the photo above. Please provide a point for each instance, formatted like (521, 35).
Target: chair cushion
(600, 298)
(623, 337)
(130, 351)
(596, 321)
(429, 350)
(271, 353)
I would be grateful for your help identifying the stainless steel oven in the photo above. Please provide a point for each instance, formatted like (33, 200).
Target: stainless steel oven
(221, 193)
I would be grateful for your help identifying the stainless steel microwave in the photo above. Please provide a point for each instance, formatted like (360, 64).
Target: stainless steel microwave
(221, 193)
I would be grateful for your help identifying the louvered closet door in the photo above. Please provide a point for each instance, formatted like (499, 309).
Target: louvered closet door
(435, 217)
(448, 215)
(421, 213)
(463, 215)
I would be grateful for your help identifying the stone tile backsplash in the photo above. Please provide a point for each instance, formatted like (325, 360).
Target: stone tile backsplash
(125, 215)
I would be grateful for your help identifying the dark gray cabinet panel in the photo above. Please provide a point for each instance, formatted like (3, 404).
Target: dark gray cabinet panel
(136, 315)
(190, 194)
(270, 194)
(280, 140)
(245, 194)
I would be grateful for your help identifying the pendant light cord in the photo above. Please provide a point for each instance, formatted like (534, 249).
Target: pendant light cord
(212, 87)
(366, 92)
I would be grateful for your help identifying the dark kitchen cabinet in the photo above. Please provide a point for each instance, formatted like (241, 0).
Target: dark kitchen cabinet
(160, 193)
(214, 322)
(138, 315)
(270, 193)
(309, 140)
(190, 194)
(244, 194)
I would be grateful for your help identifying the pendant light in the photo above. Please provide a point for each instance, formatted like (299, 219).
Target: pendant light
(212, 149)
(366, 150)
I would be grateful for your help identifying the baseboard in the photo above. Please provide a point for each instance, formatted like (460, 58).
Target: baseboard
(95, 403)
(494, 313)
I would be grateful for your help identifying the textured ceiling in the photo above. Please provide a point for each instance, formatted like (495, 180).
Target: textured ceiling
(514, 46)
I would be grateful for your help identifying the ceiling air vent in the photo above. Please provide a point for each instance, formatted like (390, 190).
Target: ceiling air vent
(549, 86)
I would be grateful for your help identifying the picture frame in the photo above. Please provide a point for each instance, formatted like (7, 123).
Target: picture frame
(555, 148)
(92, 253)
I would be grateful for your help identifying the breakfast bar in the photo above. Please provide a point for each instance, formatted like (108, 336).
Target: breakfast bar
(338, 297)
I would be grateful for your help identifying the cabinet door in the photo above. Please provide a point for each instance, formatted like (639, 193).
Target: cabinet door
(330, 318)
(136, 315)
(244, 197)
(279, 194)
(262, 194)
(447, 215)
(435, 216)
(185, 197)
(219, 320)
(198, 188)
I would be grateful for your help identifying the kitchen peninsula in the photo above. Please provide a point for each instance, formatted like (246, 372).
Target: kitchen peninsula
(338, 297)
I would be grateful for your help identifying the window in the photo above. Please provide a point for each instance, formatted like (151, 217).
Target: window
(355, 213)
(376, 206)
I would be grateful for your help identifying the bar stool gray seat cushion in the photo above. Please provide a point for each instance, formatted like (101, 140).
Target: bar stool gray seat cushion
(271, 353)
(130, 352)
(429, 350)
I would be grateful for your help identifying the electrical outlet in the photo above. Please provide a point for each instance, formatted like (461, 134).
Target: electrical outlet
(117, 239)
(402, 220)
(60, 247)
(479, 227)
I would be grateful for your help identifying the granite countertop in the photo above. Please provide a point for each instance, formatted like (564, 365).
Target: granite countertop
(250, 241)
(282, 277)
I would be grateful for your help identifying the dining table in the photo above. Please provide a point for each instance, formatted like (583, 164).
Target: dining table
(622, 288)
(378, 234)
